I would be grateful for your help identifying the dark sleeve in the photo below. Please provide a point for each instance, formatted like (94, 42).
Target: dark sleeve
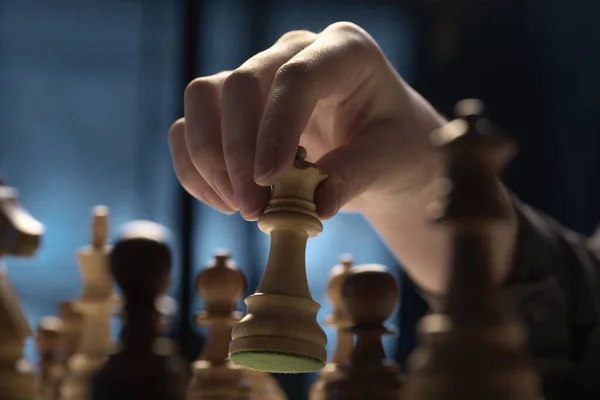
(554, 286)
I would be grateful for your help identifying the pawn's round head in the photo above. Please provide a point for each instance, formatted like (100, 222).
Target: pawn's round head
(221, 284)
(369, 294)
(140, 261)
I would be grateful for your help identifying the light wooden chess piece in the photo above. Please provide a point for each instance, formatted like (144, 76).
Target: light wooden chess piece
(94, 305)
(20, 236)
(72, 321)
(473, 348)
(340, 320)
(369, 297)
(221, 285)
(280, 332)
(48, 344)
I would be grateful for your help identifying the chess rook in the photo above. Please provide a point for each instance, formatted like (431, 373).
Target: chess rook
(280, 333)
(369, 297)
(473, 349)
(146, 365)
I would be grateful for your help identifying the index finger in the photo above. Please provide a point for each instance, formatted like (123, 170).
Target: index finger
(332, 67)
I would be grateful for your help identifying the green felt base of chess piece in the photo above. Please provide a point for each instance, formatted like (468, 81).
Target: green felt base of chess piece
(274, 362)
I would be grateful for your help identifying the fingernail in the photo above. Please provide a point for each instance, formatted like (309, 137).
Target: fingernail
(265, 163)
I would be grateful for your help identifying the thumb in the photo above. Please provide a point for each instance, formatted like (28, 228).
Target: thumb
(370, 161)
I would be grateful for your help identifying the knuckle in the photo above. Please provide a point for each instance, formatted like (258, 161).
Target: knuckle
(296, 36)
(295, 71)
(355, 38)
(200, 88)
(241, 81)
(347, 28)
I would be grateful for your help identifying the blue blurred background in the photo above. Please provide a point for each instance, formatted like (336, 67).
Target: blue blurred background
(88, 90)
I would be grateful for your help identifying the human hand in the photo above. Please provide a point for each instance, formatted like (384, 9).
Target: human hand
(334, 93)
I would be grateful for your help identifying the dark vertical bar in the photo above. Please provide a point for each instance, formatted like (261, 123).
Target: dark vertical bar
(257, 11)
(145, 204)
(187, 339)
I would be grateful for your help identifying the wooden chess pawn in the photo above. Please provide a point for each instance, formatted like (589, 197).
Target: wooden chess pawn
(473, 348)
(369, 297)
(146, 366)
(71, 328)
(340, 320)
(280, 332)
(221, 285)
(94, 305)
(47, 340)
(20, 236)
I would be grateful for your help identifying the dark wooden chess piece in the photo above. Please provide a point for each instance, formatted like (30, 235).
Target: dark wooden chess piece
(473, 349)
(369, 297)
(146, 366)
(20, 236)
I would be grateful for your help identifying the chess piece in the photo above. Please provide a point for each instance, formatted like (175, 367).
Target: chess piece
(221, 285)
(48, 339)
(71, 329)
(146, 366)
(369, 297)
(167, 308)
(340, 320)
(20, 236)
(94, 305)
(473, 349)
(280, 332)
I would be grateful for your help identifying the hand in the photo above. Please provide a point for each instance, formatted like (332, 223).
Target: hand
(334, 93)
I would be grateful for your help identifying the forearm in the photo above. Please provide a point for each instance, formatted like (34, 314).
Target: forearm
(424, 248)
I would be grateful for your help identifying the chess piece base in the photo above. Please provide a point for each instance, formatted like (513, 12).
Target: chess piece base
(279, 334)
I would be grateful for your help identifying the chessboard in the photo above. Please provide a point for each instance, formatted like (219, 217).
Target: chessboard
(471, 349)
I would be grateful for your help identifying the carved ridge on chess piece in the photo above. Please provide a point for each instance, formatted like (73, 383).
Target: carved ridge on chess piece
(280, 332)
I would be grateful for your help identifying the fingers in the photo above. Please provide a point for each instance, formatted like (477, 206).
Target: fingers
(244, 95)
(186, 172)
(333, 67)
(202, 113)
(352, 169)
